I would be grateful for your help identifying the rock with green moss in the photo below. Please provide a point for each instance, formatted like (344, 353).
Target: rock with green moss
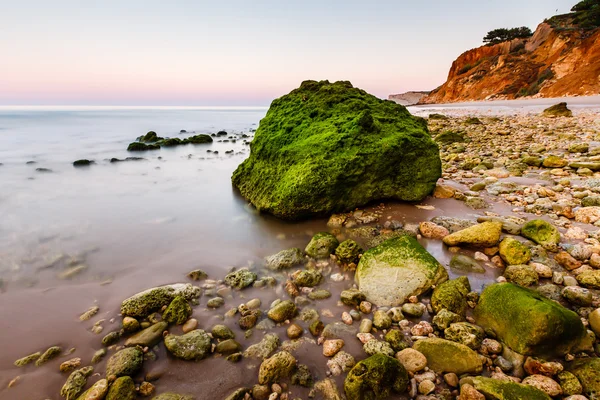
(449, 137)
(396, 339)
(27, 359)
(178, 311)
(375, 378)
(328, 147)
(173, 396)
(76, 383)
(240, 279)
(144, 303)
(264, 348)
(352, 297)
(137, 146)
(125, 362)
(452, 296)
(558, 110)
(348, 251)
(569, 383)
(397, 269)
(542, 233)
(465, 333)
(322, 245)
(49, 354)
(282, 311)
(285, 259)
(307, 278)
(514, 252)
(96, 392)
(192, 346)
(553, 161)
(150, 137)
(447, 356)
(496, 389)
(589, 279)
(239, 394)
(445, 318)
(486, 234)
(587, 370)
(122, 389)
(148, 337)
(278, 366)
(222, 332)
(198, 139)
(528, 322)
(523, 275)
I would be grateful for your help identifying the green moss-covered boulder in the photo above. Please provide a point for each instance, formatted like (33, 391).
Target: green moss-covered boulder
(486, 234)
(452, 296)
(285, 259)
(199, 139)
(122, 389)
(329, 147)
(514, 252)
(528, 322)
(558, 110)
(137, 146)
(465, 333)
(590, 279)
(322, 245)
(125, 362)
(348, 251)
(282, 311)
(587, 370)
(76, 383)
(447, 356)
(144, 303)
(541, 232)
(523, 275)
(240, 279)
(193, 346)
(375, 378)
(150, 137)
(397, 269)
(496, 389)
(279, 365)
(178, 311)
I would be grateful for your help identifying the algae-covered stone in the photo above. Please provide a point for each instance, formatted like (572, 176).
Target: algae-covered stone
(452, 296)
(285, 259)
(514, 252)
(278, 366)
(569, 383)
(178, 311)
(125, 362)
(264, 348)
(348, 251)
(587, 370)
(307, 278)
(486, 234)
(397, 269)
(497, 389)
(375, 378)
(523, 275)
(541, 232)
(528, 322)
(590, 279)
(148, 337)
(240, 279)
(27, 359)
(352, 297)
(447, 356)
(96, 392)
(193, 346)
(122, 389)
(222, 332)
(396, 339)
(553, 161)
(282, 311)
(76, 383)
(144, 303)
(328, 147)
(558, 110)
(465, 333)
(322, 245)
(444, 318)
(173, 396)
(48, 355)
(449, 137)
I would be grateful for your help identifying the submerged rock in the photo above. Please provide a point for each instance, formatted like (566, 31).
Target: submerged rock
(96, 392)
(279, 366)
(375, 378)
(548, 329)
(178, 311)
(264, 348)
(144, 303)
(192, 346)
(76, 383)
(397, 269)
(348, 251)
(447, 356)
(240, 279)
(285, 259)
(173, 396)
(328, 147)
(452, 296)
(507, 390)
(541, 232)
(282, 311)
(148, 337)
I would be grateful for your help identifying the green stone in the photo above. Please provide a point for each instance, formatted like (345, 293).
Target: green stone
(375, 378)
(178, 311)
(496, 389)
(447, 356)
(322, 245)
(452, 296)
(587, 370)
(541, 232)
(122, 389)
(514, 252)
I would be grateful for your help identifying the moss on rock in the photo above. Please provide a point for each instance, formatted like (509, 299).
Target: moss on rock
(452, 296)
(447, 356)
(192, 346)
(178, 311)
(122, 389)
(144, 303)
(375, 377)
(558, 110)
(486, 234)
(541, 232)
(322, 245)
(528, 322)
(514, 252)
(348, 251)
(587, 370)
(284, 259)
(125, 362)
(328, 147)
(507, 390)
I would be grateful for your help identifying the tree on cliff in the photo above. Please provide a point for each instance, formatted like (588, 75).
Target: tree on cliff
(502, 35)
(587, 14)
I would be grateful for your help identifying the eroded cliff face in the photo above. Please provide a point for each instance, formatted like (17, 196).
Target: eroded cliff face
(552, 63)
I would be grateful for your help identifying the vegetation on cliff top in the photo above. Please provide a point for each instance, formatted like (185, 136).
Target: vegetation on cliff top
(502, 35)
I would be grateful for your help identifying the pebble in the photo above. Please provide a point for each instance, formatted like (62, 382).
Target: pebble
(190, 325)
(347, 318)
(544, 383)
(412, 360)
(332, 346)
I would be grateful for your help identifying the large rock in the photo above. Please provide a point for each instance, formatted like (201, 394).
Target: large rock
(194, 345)
(278, 366)
(122, 389)
(558, 110)
(125, 362)
(447, 356)
(590, 279)
(452, 296)
(587, 370)
(144, 303)
(375, 377)
(397, 269)
(96, 392)
(541, 232)
(486, 234)
(328, 147)
(285, 259)
(528, 322)
(76, 383)
(497, 389)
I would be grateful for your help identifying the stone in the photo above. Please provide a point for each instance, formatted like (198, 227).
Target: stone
(594, 319)
(396, 269)
(452, 296)
(541, 232)
(374, 346)
(514, 252)
(375, 378)
(282, 311)
(148, 337)
(464, 263)
(414, 310)
(144, 303)
(486, 234)
(332, 346)
(89, 313)
(125, 362)
(240, 279)
(587, 370)
(285, 259)
(278, 366)
(522, 275)
(122, 389)
(227, 347)
(468, 392)
(577, 295)
(444, 318)
(172, 396)
(98, 391)
(412, 360)
(21, 362)
(465, 333)
(558, 110)
(569, 383)
(447, 356)
(264, 348)
(294, 331)
(190, 325)
(352, 297)
(192, 346)
(197, 275)
(130, 324)
(431, 230)
(567, 261)
(303, 163)
(302, 376)
(49, 354)
(341, 362)
(327, 389)
(543, 383)
(553, 161)
(381, 320)
(75, 383)
(589, 279)
(587, 215)
(70, 365)
(307, 278)
(549, 328)
(178, 311)
(322, 245)
(507, 389)
(222, 332)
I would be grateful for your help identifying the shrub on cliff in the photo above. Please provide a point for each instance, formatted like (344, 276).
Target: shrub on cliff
(329, 147)
(502, 35)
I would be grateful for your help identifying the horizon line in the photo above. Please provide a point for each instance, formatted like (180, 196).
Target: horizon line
(131, 107)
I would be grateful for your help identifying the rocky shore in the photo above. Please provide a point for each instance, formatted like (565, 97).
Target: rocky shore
(366, 311)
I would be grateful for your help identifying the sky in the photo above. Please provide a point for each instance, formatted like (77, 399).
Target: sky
(237, 52)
